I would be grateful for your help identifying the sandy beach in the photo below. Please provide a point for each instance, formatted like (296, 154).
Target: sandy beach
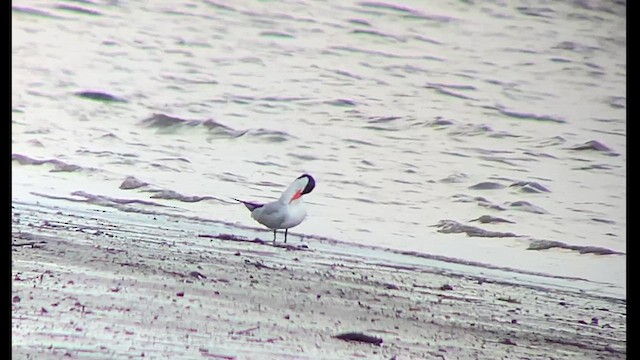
(111, 285)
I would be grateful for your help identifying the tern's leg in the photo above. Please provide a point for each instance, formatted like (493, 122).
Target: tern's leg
(274, 235)
(285, 235)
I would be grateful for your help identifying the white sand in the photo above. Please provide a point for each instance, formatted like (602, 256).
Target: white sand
(103, 287)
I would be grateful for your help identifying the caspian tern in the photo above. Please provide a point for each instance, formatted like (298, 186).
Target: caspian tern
(288, 211)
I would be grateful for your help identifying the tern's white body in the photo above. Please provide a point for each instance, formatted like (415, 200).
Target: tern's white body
(286, 212)
(276, 215)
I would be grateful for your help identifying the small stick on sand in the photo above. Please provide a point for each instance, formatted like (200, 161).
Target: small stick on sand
(246, 330)
(29, 243)
(359, 337)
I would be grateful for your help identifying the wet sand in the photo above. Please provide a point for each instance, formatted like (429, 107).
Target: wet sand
(103, 284)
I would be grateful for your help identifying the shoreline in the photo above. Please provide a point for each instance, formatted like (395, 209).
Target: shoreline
(125, 286)
(525, 274)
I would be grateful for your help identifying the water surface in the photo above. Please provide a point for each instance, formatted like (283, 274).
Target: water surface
(406, 113)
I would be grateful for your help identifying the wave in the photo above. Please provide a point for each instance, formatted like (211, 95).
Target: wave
(551, 244)
(173, 195)
(98, 96)
(58, 166)
(101, 200)
(78, 10)
(454, 227)
(525, 116)
(594, 145)
(169, 124)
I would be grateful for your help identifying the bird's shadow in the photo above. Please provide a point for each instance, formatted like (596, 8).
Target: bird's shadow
(231, 237)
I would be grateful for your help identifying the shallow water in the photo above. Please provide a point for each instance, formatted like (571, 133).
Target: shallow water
(405, 113)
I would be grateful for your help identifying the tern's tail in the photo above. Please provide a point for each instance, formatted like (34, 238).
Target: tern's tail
(250, 205)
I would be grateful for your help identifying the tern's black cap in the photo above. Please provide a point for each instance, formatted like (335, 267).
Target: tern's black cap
(311, 183)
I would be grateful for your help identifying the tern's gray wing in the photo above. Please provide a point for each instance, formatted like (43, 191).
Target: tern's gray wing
(271, 215)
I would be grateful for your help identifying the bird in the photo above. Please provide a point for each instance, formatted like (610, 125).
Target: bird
(286, 212)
